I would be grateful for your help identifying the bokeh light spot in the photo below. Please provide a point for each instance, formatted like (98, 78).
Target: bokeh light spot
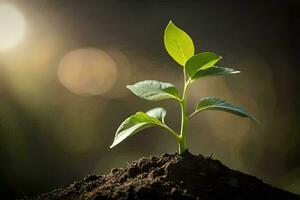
(87, 72)
(12, 26)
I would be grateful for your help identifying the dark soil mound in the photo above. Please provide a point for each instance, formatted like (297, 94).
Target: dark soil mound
(171, 177)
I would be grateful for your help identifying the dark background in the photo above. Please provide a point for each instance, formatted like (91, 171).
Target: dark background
(51, 135)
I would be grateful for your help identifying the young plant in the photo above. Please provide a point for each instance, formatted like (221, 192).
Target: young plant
(180, 47)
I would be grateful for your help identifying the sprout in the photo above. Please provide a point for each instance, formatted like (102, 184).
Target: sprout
(180, 47)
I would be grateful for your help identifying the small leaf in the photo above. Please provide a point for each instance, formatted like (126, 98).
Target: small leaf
(138, 122)
(201, 61)
(212, 103)
(214, 71)
(158, 113)
(154, 90)
(178, 44)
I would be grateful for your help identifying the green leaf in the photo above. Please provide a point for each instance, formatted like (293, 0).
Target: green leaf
(201, 61)
(178, 44)
(158, 113)
(212, 103)
(214, 71)
(154, 90)
(138, 122)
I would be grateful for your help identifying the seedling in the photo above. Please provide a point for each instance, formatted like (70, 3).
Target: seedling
(180, 47)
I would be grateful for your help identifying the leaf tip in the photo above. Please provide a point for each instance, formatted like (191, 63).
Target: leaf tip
(170, 24)
(256, 120)
(115, 143)
(112, 145)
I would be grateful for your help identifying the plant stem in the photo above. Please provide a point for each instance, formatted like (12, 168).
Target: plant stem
(171, 131)
(184, 117)
(182, 136)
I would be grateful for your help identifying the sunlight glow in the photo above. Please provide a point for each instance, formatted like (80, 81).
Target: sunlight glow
(87, 71)
(12, 26)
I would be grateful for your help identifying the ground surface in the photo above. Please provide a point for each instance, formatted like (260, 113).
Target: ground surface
(171, 177)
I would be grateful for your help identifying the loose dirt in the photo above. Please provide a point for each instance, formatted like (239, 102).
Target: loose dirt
(171, 177)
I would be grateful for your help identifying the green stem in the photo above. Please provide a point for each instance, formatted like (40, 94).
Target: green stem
(182, 136)
(184, 118)
(171, 131)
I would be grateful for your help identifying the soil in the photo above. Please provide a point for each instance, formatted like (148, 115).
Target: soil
(171, 177)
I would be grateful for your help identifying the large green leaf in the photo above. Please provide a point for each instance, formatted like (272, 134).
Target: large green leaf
(201, 61)
(178, 44)
(212, 103)
(154, 90)
(214, 71)
(138, 122)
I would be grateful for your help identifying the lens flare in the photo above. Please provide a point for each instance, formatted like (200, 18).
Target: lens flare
(12, 26)
(87, 72)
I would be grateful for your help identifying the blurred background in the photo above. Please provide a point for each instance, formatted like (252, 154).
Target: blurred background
(64, 66)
